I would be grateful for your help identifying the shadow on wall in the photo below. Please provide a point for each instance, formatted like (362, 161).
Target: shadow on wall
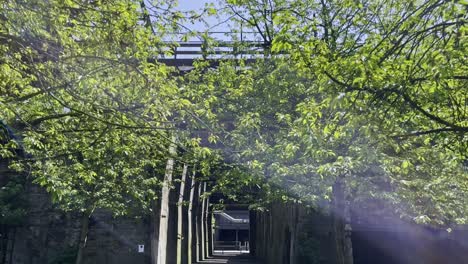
(410, 244)
(293, 234)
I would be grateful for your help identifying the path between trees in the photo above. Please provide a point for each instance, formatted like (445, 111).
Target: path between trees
(230, 257)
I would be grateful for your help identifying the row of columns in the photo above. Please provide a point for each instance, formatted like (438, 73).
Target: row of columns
(182, 219)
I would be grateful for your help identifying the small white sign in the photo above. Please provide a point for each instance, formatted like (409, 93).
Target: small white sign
(141, 248)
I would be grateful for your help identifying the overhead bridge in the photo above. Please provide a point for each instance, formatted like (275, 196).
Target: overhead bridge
(231, 219)
(184, 54)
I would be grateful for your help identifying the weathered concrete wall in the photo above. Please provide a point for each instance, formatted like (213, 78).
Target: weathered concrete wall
(116, 240)
(51, 236)
(47, 235)
(405, 243)
(381, 236)
(43, 234)
(292, 234)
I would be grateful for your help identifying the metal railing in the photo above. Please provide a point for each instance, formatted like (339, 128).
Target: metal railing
(232, 246)
(185, 53)
(231, 219)
(183, 48)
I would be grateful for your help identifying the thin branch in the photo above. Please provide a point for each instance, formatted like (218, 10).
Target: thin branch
(412, 103)
(37, 121)
(426, 132)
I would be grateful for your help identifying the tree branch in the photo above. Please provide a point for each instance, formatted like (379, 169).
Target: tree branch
(412, 103)
(426, 132)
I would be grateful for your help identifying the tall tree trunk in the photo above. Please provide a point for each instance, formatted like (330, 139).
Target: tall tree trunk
(83, 237)
(203, 225)
(210, 231)
(164, 216)
(172, 235)
(341, 223)
(207, 226)
(180, 202)
(198, 224)
(252, 232)
(192, 218)
(186, 220)
(155, 218)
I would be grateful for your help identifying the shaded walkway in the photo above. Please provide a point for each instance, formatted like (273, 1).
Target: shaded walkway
(230, 257)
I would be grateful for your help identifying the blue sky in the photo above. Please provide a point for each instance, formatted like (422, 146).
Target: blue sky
(213, 23)
(193, 4)
(198, 5)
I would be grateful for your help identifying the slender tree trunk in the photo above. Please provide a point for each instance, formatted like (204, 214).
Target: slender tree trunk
(83, 237)
(341, 224)
(207, 226)
(156, 216)
(203, 225)
(172, 235)
(186, 220)
(192, 218)
(190, 223)
(164, 216)
(210, 232)
(198, 224)
(180, 202)
(252, 232)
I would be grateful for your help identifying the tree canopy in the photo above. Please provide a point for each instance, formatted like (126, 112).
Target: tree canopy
(370, 93)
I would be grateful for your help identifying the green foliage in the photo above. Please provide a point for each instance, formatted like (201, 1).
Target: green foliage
(373, 93)
(13, 205)
(94, 111)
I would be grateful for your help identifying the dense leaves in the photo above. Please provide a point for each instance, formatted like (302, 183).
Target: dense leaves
(371, 93)
(92, 108)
